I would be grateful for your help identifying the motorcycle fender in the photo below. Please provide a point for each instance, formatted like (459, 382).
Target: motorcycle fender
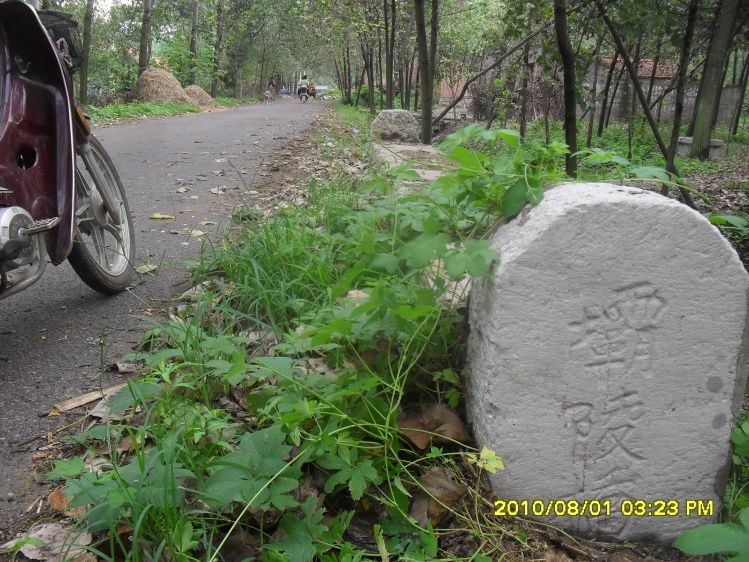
(37, 152)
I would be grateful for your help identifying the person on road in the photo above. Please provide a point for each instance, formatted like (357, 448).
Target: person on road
(303, 84)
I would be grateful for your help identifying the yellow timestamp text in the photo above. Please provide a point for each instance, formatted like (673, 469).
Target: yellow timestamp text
(604, 508)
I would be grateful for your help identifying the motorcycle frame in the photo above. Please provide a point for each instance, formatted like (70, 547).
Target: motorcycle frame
(38, 118)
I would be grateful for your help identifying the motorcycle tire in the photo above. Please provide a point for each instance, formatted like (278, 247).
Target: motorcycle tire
(90, 261)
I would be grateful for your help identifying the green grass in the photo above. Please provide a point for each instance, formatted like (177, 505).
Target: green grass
(354, 117)
(138, 109)
(357, 289)
(645, 151)
(282, 267)
(227, 101)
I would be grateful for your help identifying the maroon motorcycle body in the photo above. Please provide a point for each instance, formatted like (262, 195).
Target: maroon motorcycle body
(37, 152)
(57, 184)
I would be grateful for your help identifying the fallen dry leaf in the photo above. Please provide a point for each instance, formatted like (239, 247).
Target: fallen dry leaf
(59, 502)
(437, 423)
(440, 493)
(146, 268)
(59, 541)
(207, 223)
(161, 217)
(123, 368)
(196, 233)
(220, 190)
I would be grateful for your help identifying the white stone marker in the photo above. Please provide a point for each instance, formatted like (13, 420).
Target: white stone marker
(605, 360)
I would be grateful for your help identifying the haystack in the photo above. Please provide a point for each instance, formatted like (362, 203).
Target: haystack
(159, 85)
(200, 96)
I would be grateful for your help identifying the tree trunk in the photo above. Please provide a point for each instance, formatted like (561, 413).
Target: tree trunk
(371, 91)
(402, 89)
(434, 33)
(391, 75)
(194, 41)
(263, 68)
(593, 94)
(86, 52)
(427, 84)
(640, 94)
(389, 52)
(712, 84)
(348, 73)
(417, 83)
(368, 57)
(631, 102)
(736, 117)
(686, 48)
(735, 64)
(568, 71)
(654, 71)
(379, 69)
(145, 37)
(615, 91)
(524, 92)
(716, 107)
(217, 46)
(359, 86)
(606, 87)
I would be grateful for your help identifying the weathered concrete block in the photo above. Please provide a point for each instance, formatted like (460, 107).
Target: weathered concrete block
(684, 146)
(395, 125)
(605, 358)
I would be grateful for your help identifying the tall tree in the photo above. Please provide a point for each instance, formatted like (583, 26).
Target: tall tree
(194, 41)
(144, 52)
(593, 93)
(524, 91)
(217, 46)
(389, 47)
(427, 62)
(736, 117)
(86, 52)
(606, 89)
(681, 81)
(568, 71)
(654, 70)
(712, 84)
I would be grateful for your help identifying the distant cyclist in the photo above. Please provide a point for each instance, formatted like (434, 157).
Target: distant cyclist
(302, 89)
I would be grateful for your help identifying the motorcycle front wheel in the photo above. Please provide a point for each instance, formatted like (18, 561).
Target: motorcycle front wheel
(102, 250)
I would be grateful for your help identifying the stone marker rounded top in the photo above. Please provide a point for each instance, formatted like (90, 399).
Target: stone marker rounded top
(395, 125)
(605, 356)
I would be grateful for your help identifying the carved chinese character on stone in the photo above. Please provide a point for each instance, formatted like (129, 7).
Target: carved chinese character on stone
(605, 356)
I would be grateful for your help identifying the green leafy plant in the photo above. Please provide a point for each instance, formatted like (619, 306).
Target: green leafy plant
(729, 538)
(357, 296)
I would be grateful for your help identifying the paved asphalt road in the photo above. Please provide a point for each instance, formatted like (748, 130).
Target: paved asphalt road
(55, 335)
